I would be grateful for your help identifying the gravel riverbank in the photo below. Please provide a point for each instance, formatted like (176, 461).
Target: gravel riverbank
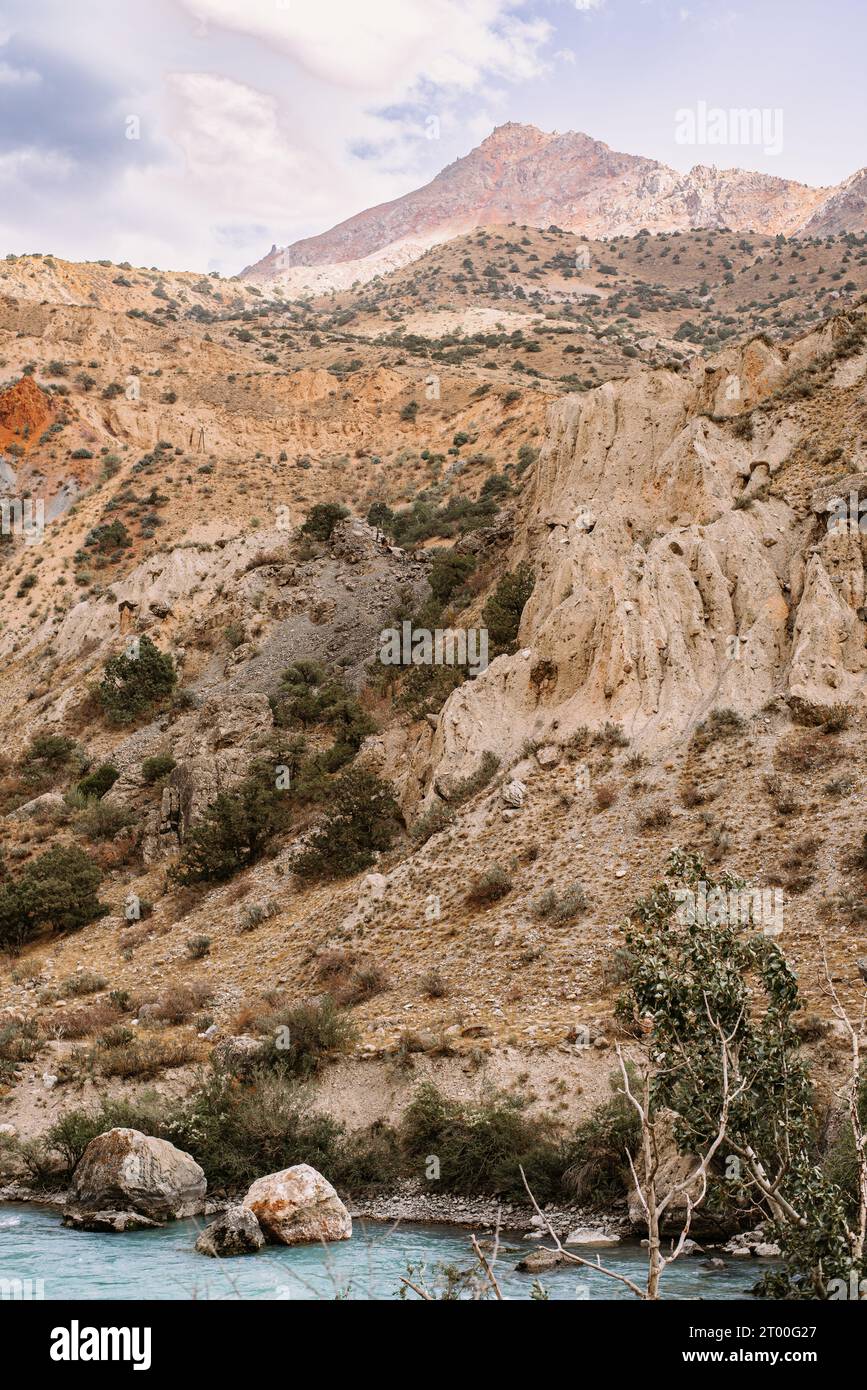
(407, 1203)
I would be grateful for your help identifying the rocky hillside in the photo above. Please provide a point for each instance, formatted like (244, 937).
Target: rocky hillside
(522, 174)
(686, 666)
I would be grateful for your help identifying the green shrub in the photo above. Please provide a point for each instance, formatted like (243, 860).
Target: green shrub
(19, 1042)
(609, 737)
(46, 756)
(235, 830)
(100, 820)
(448, 573)
(840, 1162)
(481, 1148)
(361, 820)
(300, 1039)
(489, 887)
(720, 723)
(131, 685)
(437, 817)
(237, 1133)
(527, 454)
(311, 695)
(322, 519)
(81, 983)
(426, 688)
(156, 768)
(501, 614)
(598, 1172)
(109, 538)
(424, 519)
(143, 1058)
(380, 515)
(69, 1136)
(561, 908)
(59, 890)
(98, 782)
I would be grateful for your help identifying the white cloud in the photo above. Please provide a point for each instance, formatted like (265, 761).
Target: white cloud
(17, 77)
(224, 127)
(30, 162)
(263, 120)
(387, 47)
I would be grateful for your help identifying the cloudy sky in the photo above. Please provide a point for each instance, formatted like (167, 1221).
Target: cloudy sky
(191, 134)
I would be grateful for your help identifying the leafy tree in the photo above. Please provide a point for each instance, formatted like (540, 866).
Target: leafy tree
(380, 515)
(322, 519)
(502, 612)
(133, 683)
(448, 572)
(46, 756)
(311, 695)
(236, 828)
(59, 890)
(362, 819)
(720, 1000)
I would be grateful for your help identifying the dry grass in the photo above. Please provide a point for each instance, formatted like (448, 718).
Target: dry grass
(80, 1022)
(175, 1004)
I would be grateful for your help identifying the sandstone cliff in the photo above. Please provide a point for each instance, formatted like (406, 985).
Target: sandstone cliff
(679, 566)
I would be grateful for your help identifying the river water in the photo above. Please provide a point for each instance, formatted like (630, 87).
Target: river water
(163, 1264)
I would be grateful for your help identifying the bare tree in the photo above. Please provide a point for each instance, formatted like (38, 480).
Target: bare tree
(856, 1233)
(657, 1198)
(656, 1195)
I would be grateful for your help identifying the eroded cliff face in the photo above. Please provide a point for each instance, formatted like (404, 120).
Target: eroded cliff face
(682, 562)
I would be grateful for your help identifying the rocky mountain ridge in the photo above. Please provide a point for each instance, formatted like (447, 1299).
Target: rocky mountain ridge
(521, 174)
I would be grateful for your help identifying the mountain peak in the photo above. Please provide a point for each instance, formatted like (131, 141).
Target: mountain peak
(511, 131)
(522, 174)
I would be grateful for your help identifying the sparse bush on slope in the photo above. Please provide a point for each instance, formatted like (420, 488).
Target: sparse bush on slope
(133, 684)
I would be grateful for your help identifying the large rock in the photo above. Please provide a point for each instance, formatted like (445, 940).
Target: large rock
(108, 1220)
(298, 1205)
(585, 1235)
(238, 1054)
(513, 794)
(235, 1232)
(48, 801)
(125, 1178)
(539, 1260)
